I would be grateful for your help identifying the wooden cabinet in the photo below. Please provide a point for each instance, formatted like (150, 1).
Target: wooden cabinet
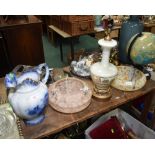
(4, 63)
(21, 43)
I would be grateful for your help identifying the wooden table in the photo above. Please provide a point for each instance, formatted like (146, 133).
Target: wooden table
(148, 27)
(63, 34)
(56, 121)
(115, 32)
(3, 94)
(99, 32)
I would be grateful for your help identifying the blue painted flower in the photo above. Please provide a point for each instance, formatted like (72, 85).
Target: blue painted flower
(10, 80)
(37, 110)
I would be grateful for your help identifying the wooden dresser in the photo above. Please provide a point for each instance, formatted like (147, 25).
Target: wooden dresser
(20, 43)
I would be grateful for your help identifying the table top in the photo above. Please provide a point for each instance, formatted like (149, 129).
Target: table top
(59, 31)
(3, 94)
(100, 28)
(149, 24)
(96, 29)
(19, 21)
(55, 121)
(66, 35)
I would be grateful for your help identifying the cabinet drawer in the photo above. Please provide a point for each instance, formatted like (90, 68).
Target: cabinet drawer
(78, 28)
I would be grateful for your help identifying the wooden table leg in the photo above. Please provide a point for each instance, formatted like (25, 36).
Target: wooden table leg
(61, 52)
(147, 29)
(51, 37)
(147, 104)
(153, 121)
(72, 48)
(119, 33)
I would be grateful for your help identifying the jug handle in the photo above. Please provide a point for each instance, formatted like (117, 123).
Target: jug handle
(44, 80)
(18, 67)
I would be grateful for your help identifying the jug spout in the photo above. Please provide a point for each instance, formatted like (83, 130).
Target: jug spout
(10, 80)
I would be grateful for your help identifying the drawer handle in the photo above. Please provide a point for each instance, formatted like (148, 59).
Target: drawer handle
(83, 27)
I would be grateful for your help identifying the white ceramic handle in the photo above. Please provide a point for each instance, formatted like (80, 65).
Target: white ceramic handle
(44, 80)
(16, 69)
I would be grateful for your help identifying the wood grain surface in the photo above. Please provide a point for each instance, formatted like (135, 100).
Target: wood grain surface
(3, 94)
(55, 121)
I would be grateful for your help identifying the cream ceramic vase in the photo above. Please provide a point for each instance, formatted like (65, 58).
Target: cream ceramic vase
(102, 73)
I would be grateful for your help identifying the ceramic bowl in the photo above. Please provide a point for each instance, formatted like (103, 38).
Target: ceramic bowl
(129, 79)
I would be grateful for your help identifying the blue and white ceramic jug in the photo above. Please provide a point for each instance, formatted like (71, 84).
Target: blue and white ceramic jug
(29, 94)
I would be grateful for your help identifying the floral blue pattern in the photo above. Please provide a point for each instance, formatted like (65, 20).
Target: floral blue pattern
(10, 80)
(37, 110)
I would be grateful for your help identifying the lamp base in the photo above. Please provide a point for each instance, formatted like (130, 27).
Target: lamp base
(102, 94)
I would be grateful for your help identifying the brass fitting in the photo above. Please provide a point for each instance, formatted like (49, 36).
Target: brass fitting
(107, 34)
